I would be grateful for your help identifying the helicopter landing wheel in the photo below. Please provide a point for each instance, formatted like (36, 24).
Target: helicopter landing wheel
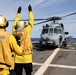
(64, 44)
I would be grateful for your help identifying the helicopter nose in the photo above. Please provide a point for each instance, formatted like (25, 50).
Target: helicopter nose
(48, 38)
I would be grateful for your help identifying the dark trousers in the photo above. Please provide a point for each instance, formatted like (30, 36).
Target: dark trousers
(27, 67)
(12, 72)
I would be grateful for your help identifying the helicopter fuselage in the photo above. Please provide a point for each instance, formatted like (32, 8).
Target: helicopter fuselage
(52, 35)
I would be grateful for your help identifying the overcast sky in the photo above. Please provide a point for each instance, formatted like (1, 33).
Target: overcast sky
(41, 9)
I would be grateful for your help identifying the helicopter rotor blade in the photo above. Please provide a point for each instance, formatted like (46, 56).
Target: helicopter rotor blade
(20, 19)
(10, 20)
(39, 19)
(34, 19)
(41, 22)
(69, 15)
(48, 19)
(28, 20)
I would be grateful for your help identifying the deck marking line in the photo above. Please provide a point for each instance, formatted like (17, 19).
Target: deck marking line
(57, 65)
(63, 66)
(37, 63)
(68, 50)
(43, 68)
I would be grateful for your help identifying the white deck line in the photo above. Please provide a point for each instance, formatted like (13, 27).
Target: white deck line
(37, 63)
(63, 66)
(57, 65)
(45, 65)
(68, 50)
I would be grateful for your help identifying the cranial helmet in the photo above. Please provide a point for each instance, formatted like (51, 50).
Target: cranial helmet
(3, 22)
(20, 24)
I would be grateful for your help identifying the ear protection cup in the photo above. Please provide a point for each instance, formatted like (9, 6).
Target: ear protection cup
(7, 24)
(3, 22)
(24, 24)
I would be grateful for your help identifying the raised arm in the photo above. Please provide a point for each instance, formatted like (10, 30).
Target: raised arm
(31, 18)
(17, 18)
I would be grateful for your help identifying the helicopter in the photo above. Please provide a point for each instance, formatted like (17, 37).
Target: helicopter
(52, 34)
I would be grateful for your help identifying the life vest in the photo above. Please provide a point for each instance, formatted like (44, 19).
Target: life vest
(5, 51)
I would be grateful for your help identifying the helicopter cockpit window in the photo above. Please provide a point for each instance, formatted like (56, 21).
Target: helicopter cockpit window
(44, 31)
(57, 30)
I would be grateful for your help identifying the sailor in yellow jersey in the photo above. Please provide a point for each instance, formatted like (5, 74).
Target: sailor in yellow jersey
(8, 45)
(22, 34)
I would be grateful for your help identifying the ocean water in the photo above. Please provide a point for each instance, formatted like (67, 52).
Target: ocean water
(35, 39)
(71, 39)
(68, 39)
